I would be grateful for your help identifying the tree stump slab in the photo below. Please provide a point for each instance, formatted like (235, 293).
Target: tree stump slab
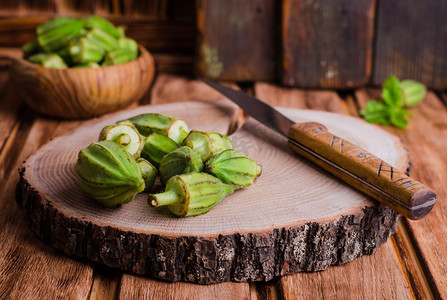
(294, 218)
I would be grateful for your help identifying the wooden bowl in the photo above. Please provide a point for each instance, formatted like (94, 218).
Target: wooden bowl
(79, 93)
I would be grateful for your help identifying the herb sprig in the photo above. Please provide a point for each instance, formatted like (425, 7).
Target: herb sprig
(397, 96)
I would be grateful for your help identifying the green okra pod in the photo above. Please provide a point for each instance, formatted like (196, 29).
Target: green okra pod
(105, 40)
(31, 48)
(128, 44)
(124, 134)
(148, 172)
(156, 146)
(95, 21)
(58, 33)
(48, 60)
(118, 56)
(108, 173)
(85, 50)
(87, 65)
(180, 161)
(171, 127)
(191, 194)
(234, 168)
(208, 144)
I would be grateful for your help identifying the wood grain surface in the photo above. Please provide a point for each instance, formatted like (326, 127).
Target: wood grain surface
(237, 40)
(143, 288)
(411, 41)
(172, 89)
(228, 246)
(324, 43)
(426, 135)
(410, 265)
(29, 268)
(318, 285)
(327, 43)
(390, 284)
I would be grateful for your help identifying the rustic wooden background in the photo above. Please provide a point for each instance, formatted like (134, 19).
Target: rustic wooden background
(165, 27)
(405, 37)
(340, 44)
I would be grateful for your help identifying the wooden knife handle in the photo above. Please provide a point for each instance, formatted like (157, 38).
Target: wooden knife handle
(361, 170)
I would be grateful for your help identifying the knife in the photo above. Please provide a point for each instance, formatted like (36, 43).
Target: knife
(350, 163)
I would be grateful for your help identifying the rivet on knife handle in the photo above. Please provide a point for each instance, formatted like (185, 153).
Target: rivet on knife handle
(361, 169)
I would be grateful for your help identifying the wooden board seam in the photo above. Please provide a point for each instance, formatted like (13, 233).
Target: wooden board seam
(415, 252)
(412, 276)
(8, 152)
(100, 282)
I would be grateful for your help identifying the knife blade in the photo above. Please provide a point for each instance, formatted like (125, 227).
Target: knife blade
(343, 159)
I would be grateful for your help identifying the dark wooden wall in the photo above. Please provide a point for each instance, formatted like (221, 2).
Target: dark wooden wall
(306, 43)
(166, 27)
(411, 41)
(324, 43)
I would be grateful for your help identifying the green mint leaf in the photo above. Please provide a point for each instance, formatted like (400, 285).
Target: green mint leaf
(396, 95)
(377, 119)
(398, 117)
(373, 106)
(376, 112)
(391, 92)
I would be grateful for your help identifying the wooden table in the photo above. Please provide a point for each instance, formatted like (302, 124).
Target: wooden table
(411, 264)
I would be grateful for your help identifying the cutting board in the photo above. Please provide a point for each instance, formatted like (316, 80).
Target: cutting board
(294, 218)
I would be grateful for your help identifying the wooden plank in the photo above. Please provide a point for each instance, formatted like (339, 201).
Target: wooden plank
(104, 7)
(137, 287)
(376, 276)
(297, 98)
(166, 37)
(410, 264)
(74, 8)
(180, 64)
(169, 88)
(170, 37)
(426, 138)
(15, 122)
(9, 7)
(148, 10)
(237, 40)
(265, 290)
(39, 7)
(411, 42)
(414, 274)
(10, 104)
(105, 283)
(401, 241)
(14, 139)
(29, 268)
(181, 10)
(365, 275)
(14, 32)
(25, 262)
(327, 43)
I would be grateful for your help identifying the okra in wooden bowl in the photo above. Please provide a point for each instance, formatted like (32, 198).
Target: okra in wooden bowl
(78, 72)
